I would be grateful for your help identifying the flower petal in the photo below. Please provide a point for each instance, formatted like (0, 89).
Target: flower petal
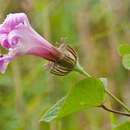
(19, 38)
(4, 41)
(4, 61)
(12, 20)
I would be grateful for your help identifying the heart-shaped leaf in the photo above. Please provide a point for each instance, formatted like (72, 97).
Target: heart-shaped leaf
(85, 94)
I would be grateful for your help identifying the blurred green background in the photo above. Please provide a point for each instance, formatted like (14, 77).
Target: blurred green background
(95, 29)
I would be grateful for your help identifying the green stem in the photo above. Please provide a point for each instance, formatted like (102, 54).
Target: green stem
(116, 99)
(79, 69)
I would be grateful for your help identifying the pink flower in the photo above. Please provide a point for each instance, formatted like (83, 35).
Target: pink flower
(19, 38)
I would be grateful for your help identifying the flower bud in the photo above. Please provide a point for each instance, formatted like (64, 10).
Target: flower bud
(65, 62)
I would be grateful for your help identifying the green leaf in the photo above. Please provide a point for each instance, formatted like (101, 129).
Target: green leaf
(126, 61)
(53, 111)
(124, 126)
(125, 52)
(86, 94)
(124, 49)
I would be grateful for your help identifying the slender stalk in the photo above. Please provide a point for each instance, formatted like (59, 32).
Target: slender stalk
(117, 100)
(113, 111)
(79, 69)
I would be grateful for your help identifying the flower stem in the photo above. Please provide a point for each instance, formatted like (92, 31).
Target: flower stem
(79, 69)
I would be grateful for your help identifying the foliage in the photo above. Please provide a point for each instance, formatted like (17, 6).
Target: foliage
(86, 94)
(125, 52)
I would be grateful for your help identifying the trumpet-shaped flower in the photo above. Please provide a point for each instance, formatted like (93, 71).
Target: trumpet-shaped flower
(19, 38)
